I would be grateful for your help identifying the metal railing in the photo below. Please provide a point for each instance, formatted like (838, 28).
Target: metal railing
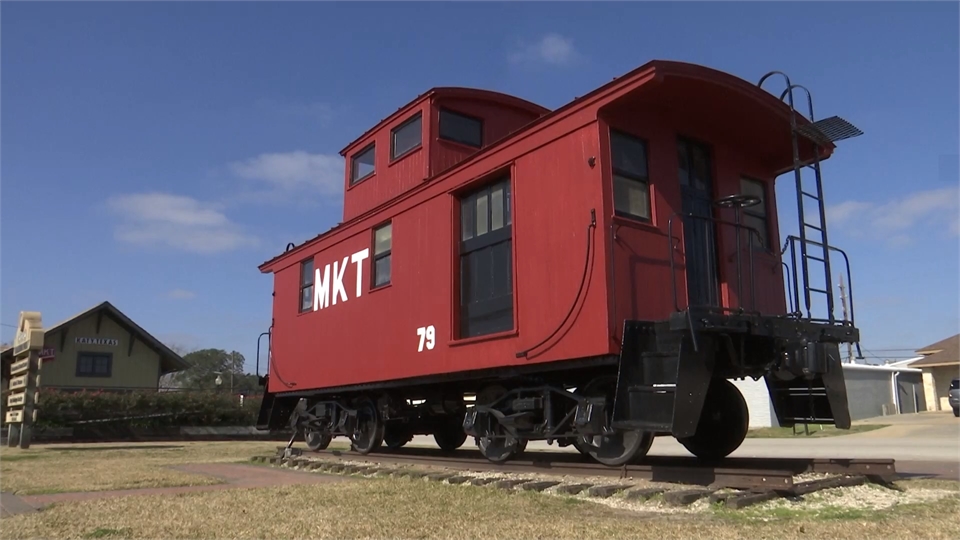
(790, 245)
(714, 276)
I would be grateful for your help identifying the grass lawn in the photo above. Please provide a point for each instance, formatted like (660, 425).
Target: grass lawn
(815, 431)
(109, 466)
(404, 508)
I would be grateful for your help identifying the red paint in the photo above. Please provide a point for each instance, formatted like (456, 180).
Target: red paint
(373, 337)
(502, 114)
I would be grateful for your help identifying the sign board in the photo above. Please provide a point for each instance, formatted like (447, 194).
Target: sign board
(112, 342)
(24, 379)
(29, 333)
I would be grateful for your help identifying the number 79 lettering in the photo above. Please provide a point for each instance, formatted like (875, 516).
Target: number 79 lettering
(428, 337)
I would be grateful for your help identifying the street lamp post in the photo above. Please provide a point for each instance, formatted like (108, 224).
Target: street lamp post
(219, 380)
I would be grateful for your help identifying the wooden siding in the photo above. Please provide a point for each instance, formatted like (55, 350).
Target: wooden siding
(549, 248)
(394, 177)
(640, 253)
(390, 177)
(138, 369)
(498, 122)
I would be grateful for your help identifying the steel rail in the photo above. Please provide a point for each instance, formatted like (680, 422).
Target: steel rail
(741, 473)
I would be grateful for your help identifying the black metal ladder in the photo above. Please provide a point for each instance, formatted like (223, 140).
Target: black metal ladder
(814, 247)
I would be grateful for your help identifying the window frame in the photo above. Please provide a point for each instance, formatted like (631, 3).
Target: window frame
(388, 254)
(629, 176)
(751, 212)
(312, 283)
(417, 117)
(94, 355)
(354, 179)
(503, 303)
(445, 111)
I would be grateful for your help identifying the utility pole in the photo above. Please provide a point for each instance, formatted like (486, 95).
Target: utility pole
(843, 302)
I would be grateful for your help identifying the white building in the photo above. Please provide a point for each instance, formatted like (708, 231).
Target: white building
(871, 391)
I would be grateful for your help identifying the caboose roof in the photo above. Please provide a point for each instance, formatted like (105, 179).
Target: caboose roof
(449, 92)
(703, 82)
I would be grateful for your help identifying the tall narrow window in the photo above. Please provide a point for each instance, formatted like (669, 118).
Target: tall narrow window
(363, 164)
(756, 216)
(382, 243)
(486, 261)
(306, 285)
(405, 137)
(461, 128)
(631, 183)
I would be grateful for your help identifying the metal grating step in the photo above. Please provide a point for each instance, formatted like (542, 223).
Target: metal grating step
(829, 130)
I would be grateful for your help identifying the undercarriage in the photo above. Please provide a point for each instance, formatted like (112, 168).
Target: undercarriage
(673, 378)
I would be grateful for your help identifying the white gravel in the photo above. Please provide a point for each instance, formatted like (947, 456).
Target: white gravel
(866, 497)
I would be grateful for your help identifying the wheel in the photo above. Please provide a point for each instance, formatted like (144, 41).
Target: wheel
(368, 435)
(317, 440)
(499, 449)
(450, 437)
(723, 423)
(395, 437)
(619, 448)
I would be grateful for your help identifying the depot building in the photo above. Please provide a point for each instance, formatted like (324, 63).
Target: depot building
(100, 349)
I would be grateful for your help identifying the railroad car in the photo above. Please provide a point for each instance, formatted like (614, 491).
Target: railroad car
(594, 275)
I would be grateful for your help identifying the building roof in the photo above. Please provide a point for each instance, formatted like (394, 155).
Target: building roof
(942, 353)
(169, 360)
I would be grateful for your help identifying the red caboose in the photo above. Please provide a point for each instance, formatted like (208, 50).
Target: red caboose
(592, 275)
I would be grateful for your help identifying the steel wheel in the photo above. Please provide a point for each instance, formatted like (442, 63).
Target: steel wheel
(395, 437)
(502, 448)
(620, 447)
(723, 423)
(450, 437)
(317, 440)
(368, 435)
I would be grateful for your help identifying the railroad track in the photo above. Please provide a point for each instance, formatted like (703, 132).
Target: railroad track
(734, 482)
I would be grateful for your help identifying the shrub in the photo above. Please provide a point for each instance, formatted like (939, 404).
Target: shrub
(145, 409)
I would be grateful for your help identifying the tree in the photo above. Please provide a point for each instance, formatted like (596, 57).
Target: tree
(206, 364)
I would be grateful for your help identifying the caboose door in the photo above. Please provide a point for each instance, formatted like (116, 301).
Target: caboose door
(699, 232)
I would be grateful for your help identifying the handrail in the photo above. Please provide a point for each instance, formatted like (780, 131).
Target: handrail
(267, 333)
(738, 227)
(791, 240)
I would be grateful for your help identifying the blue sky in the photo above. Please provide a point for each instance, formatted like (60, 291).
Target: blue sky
(160, 152)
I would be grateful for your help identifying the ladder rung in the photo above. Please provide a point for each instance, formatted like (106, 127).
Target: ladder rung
(811, 195)
(805, 224)
(818, 290)
(815, 258)
(811, 166)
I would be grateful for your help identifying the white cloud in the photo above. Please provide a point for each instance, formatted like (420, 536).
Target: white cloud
(175, 221)
(181, 294)
(294, 174)
(550, 49)
(894, 220)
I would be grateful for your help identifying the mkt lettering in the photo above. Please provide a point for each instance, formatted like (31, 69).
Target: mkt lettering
(329, 282)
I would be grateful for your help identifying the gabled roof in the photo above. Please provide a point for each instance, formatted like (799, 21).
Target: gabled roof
(942, 353)
(169, 360)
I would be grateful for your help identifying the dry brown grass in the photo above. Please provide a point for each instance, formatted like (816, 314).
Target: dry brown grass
(402, 508)
(390, 507)
(98, 467)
